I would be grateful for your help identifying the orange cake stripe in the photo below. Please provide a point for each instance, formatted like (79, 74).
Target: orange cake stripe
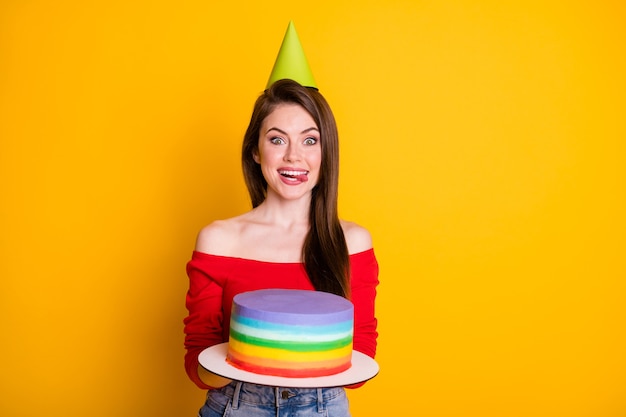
(281, 364)
(273, 367)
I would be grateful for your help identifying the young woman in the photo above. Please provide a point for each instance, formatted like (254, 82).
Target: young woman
(292, 238)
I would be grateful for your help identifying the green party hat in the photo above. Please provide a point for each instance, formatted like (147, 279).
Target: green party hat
(291, 62)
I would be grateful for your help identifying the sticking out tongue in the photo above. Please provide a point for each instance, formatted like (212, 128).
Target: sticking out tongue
(302, 177)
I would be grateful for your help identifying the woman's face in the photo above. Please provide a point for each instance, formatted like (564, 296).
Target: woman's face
(289, 151)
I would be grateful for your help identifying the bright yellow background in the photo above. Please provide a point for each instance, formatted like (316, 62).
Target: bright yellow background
(482, 145)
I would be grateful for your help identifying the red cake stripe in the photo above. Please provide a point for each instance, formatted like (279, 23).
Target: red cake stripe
(276, 367)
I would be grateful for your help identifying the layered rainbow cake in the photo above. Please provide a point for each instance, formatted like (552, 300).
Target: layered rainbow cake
(291, 333)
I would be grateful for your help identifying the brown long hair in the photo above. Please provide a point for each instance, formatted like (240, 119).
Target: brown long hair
(325, 252)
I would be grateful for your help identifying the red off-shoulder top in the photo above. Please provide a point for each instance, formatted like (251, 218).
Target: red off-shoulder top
(214, 281)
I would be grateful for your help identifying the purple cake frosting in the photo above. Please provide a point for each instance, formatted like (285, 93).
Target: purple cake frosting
(293, 307)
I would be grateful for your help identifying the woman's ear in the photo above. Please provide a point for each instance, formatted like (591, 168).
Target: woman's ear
(255, 156)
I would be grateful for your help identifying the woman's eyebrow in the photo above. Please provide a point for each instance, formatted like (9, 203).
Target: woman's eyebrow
(285, 133)
(277, 129)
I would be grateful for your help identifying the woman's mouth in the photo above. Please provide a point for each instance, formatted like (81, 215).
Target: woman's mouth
(301, 176)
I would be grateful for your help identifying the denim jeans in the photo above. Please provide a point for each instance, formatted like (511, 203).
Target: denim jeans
(250, 400)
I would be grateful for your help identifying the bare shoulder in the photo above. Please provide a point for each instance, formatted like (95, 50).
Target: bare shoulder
(219, 237)
(358, 238)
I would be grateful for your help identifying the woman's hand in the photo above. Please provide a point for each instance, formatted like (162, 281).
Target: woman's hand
(211, 379)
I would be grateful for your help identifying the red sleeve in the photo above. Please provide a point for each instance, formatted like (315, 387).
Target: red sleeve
(203, 325)
(363, 282)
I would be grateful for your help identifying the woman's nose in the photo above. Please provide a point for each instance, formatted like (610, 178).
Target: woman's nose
(292, 153)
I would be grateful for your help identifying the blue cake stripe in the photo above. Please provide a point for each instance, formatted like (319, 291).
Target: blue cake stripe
(340, 327)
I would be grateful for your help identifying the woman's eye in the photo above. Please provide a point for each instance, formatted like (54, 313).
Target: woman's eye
(277, 141)
(310, 141)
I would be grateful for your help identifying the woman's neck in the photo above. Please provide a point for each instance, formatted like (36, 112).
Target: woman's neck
(282, 212)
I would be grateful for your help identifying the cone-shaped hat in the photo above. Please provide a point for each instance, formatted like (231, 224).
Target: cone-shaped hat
(291, 62)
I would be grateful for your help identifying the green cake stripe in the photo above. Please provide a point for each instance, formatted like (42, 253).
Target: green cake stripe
(292, 346)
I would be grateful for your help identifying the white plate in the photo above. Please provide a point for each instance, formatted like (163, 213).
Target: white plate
(363, 368)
